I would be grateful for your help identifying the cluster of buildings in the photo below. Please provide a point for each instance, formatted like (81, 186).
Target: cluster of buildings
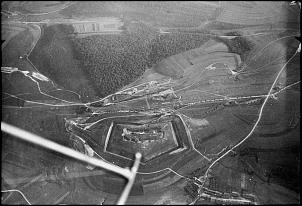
(228, 199)
(99, 25)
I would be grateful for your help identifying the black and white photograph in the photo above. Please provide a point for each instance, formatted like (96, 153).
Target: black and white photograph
(150, 102)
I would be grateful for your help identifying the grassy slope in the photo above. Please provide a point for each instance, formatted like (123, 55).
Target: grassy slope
(53, 56)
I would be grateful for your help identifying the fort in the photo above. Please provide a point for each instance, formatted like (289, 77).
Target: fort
(150, 142)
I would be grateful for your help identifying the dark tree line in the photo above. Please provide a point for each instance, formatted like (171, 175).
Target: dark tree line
(171, 44)
(239, 45)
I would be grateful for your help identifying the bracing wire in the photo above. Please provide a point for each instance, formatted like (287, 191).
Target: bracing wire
(30, 137)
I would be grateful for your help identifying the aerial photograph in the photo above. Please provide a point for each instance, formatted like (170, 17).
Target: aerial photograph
(150, 102)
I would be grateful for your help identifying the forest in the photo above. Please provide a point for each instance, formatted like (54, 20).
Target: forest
(113, 61)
